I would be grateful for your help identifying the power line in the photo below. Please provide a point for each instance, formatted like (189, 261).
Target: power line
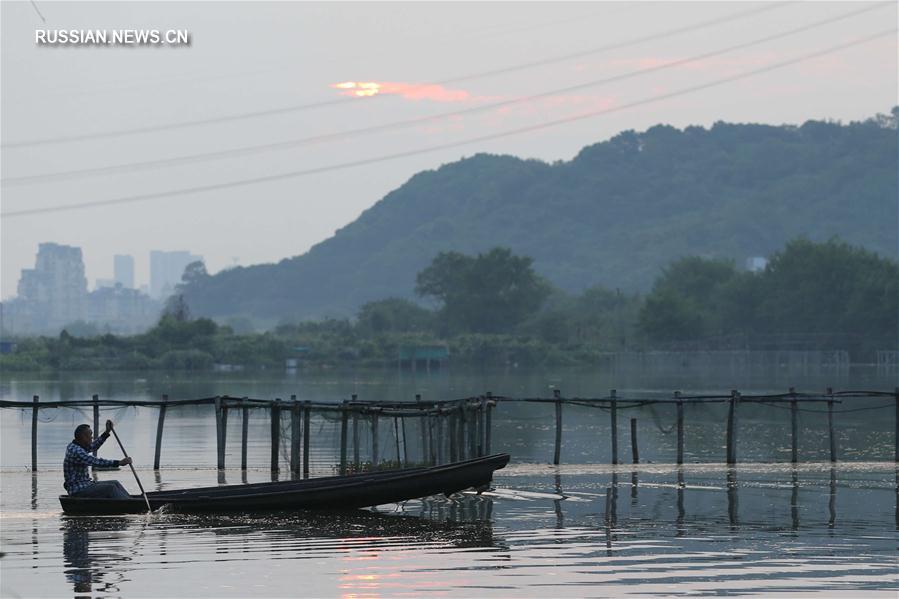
(444, 146)
(620, 45)
(284, 145)
(345, 100)
(43, 20)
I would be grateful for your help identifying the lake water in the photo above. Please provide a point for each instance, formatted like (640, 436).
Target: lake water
(582, 529)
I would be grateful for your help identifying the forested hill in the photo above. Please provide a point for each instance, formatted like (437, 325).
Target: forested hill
(614, 215)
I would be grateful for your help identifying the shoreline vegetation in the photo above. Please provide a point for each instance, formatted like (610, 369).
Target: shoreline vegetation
(493, 309)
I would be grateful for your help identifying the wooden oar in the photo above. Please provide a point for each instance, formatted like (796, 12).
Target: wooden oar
(144, 493)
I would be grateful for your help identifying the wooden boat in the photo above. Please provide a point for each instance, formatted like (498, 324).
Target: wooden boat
(334, 492)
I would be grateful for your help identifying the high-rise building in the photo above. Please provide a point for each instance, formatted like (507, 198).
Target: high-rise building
(123, 269)
(55, 290)
(166, 269)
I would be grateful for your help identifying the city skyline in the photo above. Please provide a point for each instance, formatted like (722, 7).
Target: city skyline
(99, 282)
(55, 295)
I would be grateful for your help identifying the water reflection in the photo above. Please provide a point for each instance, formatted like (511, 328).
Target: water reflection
(679, 522)
(694, 530)
(98, 551)
(557, 503)
(88, 570)
(732, 498)
(832, 503)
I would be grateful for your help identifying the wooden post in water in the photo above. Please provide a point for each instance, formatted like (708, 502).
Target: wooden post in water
(438, 439)
(295, 438)
(461, 431)
(396, 437)
(34, 411)
(680, 428)
(405, 445)
(732, 427)
(219, 451)
(472, 431)
(453, 438)
(224, 428)
(557, 448)
(225, 409)
(794, 427)
(480, 444)
(489, 423)
(896, 438)
(429, 419)
(244, 432)
(276, 432)
(422, 424)
(375, 442)
(307, 413)
(159, 424)
(613, 415)
(635, 453)
(355, 437)
(343, 439)
(355, 427)
(96, 401)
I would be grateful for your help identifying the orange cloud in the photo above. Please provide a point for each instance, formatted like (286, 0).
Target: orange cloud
(409, 91)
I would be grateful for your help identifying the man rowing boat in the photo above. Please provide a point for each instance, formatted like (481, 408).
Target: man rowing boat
(78, 460)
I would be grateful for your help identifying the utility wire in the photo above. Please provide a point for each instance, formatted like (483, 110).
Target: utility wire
(619, 45)
(34, 5)
(345, 100)
(448, 145)
(289, 144)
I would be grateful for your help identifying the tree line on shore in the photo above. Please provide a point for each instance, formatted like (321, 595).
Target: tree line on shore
(492, 308)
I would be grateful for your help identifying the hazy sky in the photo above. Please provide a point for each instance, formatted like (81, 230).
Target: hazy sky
(255, 57)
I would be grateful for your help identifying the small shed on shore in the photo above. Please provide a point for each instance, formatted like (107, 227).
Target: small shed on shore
(424, 357)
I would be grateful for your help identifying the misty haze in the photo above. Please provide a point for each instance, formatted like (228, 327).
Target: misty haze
(607, 292)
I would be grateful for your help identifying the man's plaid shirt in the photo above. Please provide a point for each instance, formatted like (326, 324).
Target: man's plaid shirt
(75, 466)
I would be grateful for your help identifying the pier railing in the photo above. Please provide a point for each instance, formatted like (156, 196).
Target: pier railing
(456, 429)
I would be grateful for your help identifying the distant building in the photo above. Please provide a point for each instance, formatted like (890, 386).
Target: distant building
(756, 263)
(166, 269)
(123, 269)
(53, 295)
(122, 310)
(54, 292)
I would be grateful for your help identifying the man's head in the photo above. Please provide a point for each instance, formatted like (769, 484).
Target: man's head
(84, 435)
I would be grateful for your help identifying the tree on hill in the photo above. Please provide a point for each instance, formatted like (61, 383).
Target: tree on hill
(825, 295)
(176, 308)
(684, 303)
(394, 315)
(488, 293)
(832, 289)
